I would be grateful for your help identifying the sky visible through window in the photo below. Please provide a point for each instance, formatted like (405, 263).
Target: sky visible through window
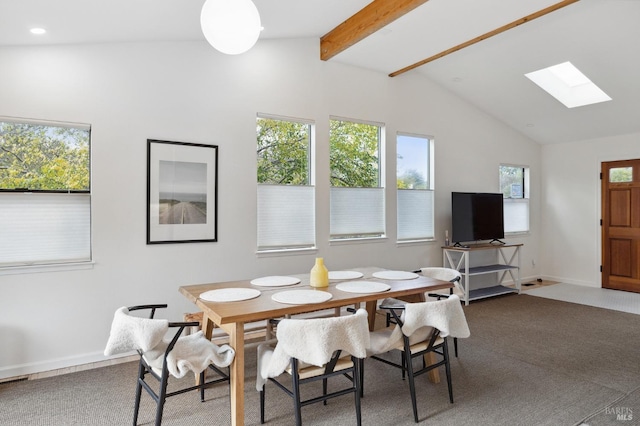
(413, 155)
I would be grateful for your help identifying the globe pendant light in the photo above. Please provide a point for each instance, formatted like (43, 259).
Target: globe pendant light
(230, 26)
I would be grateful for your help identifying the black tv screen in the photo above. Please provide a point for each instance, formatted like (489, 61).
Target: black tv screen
(476, 216)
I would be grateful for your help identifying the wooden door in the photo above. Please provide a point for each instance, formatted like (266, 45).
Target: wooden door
(621, 225)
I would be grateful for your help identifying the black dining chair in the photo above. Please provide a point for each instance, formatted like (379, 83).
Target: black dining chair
(419, 329)
(315, 349)
(160, 359)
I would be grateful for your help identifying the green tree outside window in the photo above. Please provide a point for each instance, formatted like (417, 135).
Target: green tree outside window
(43, 158)
(354, 151)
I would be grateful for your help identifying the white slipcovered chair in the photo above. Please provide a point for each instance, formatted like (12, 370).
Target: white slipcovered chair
(315, 349)
(420, 329)
(161, 358)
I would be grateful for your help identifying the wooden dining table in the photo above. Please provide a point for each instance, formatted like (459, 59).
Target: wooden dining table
(232, 316)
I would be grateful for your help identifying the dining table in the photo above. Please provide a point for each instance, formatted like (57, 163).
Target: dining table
(232, 304)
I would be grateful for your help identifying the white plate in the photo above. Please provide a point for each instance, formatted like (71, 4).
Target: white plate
(344, 275)
(275, 281)
(230, 294)
(301, 297)
(363, 287)
(395, 275)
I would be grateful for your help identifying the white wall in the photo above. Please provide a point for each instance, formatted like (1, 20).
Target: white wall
(189, 92)
(571, 206)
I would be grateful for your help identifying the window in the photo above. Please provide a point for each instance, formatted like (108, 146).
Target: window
(621, 174)
(415, 187)
(357, 195)
(286, 196)
(514, 185)
(45, 199)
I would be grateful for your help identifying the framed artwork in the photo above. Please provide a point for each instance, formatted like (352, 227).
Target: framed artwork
(182, 192)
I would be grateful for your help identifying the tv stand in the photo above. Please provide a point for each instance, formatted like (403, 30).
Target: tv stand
(457, 257)
(496, 242)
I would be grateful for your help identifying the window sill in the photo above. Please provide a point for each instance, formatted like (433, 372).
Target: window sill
(286, 252)
(416, 242)
(36, 269)
(517, 234)
(347, 241)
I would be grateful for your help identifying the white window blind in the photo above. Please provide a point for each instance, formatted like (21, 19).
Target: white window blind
(286, 216)
(516, 214)
(415, 214)
(357, 212)
(44, 228)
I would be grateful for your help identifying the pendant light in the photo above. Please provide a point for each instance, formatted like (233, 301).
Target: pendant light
(230, 26)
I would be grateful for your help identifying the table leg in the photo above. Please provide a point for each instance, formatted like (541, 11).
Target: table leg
(207, 326)
(434, 375)
(236, 341)
(371, 311)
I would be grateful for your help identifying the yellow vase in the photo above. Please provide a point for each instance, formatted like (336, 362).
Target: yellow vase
(319, 274)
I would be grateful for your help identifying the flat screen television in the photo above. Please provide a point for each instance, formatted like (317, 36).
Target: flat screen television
(476, 216)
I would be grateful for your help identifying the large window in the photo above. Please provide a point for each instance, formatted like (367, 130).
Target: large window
(357, 194)
(415, 187)
(45, 200)
(286, 207)
(514, 185)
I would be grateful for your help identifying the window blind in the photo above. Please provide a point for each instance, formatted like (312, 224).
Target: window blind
(286, 216)
(415, 214)
(44, 228)
(516, 215)
(357, 212)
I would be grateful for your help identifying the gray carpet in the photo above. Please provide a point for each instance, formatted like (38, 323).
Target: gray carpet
(529, 361)
(625, 410)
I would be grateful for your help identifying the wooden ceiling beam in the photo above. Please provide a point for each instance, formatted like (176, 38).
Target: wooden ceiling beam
(502, 29)
(367, 21)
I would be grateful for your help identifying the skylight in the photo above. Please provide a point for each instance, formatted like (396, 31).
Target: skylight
(567, 84)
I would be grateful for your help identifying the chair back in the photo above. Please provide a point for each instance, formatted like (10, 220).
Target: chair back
(315, 340)
(129, 333)
(440, 273)
(445, 315)
(178, 356)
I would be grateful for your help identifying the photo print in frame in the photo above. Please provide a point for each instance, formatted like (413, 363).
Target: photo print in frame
(182, 188)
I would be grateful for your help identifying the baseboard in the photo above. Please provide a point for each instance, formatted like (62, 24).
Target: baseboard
(40, 370)
(572, 281)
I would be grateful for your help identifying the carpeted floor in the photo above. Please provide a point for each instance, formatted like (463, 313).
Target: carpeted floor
(529, 361)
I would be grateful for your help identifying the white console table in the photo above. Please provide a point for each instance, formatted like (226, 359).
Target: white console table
(508, 263)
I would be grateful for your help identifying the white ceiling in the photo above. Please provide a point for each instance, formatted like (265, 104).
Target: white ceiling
(601, 37)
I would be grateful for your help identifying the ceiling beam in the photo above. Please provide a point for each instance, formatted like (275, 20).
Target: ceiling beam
(486, 36)
(367, 21)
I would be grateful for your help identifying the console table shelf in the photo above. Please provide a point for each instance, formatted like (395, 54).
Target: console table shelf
(508, 256)
(482, 293)
(487, 269)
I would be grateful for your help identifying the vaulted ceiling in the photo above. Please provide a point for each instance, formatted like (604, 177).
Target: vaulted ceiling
(477, 49)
